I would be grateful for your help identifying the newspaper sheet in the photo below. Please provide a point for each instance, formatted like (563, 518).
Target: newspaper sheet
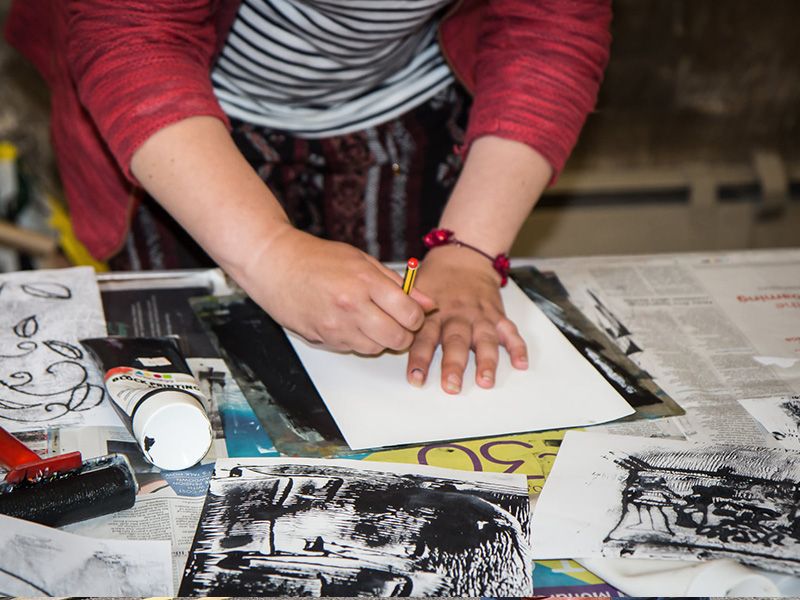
(710, 328)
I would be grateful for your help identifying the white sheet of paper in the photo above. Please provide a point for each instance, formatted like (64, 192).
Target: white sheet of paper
(374, 405)
(41, 561)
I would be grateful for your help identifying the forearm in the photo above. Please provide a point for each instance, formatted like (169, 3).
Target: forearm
(499, 185)
(194, 170)
(328, 292)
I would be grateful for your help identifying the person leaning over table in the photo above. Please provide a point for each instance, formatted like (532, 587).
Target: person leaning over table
(355, 113)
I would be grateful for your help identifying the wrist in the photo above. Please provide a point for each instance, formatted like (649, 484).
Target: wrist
(444, 238)
(246, 260)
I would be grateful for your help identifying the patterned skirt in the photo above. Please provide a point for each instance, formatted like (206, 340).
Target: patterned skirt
(380, 189)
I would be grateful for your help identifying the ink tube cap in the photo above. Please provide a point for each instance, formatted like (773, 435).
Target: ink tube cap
(172, 429)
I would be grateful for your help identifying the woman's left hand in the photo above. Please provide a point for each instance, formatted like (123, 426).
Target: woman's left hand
(470, 316)
(499, 185)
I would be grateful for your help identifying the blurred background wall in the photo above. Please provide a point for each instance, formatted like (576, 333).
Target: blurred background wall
(694, 145)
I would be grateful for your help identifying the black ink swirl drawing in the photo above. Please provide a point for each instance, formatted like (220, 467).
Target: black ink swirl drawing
(43, 377)
(23, 348)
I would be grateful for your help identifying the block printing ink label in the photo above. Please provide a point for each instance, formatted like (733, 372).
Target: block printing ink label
(157, 397)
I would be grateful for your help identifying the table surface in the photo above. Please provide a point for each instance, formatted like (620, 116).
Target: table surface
(710, 328)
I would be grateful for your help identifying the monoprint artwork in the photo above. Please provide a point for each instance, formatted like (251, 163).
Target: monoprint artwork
(350, 528)
(40, 562)
(44, 375)
(739, 503)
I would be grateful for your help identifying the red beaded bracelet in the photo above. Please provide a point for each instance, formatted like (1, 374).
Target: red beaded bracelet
(444, 237)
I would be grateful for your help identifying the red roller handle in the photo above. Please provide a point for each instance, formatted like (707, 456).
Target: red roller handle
(24, 463)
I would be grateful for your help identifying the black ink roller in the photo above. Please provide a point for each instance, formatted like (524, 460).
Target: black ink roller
(59, 490)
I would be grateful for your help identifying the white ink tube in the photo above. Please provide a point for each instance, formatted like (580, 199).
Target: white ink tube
(157, 397)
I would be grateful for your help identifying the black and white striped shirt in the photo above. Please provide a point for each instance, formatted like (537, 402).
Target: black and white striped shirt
(319, 68)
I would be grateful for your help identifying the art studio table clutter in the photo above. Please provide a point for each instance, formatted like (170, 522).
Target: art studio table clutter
(650, 450)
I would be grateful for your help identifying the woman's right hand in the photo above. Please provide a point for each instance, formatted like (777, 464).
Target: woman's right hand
(333, 294)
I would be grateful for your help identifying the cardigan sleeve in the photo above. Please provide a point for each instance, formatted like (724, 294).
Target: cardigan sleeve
(538, 69)
(140, 65)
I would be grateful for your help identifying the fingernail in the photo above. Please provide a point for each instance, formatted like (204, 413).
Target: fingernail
(523, 362)
(417, 377)
(453, 384)
(488, 376)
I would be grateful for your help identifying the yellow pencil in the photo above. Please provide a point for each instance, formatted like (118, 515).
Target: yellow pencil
(411, 273)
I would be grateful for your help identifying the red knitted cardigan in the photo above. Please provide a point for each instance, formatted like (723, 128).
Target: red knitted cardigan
(120, 71)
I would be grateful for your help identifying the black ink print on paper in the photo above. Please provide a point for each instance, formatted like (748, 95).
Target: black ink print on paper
(738, 503)
(332, 530)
